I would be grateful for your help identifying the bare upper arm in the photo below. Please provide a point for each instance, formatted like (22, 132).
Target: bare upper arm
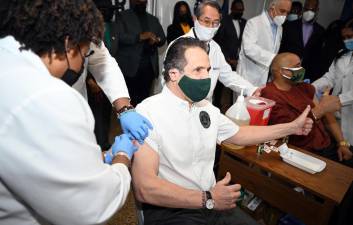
(145, 166)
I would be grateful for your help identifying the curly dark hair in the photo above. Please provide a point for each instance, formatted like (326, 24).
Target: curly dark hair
(43, 26)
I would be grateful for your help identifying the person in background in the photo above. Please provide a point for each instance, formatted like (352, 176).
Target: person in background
(292, 96)
(296, 11)
(206, 23)
(261, 41)
(333, 42)
(173, 170)
(229, 34)
(51, 168)
(182, 21)
(304, 38)
(229, 37)
(340, 79)
(140, 35)
(97, 100)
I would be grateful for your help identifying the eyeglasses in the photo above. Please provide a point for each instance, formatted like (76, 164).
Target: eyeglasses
(209, 23)
(88, 54)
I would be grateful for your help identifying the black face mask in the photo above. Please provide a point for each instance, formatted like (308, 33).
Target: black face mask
(70, 76)
(140, 8)
(237, 16)
(183, 18)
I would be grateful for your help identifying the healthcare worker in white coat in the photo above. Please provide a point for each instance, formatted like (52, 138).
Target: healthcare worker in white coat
(261, 41)
(51, 168)
(109, 77)
(207, 22)
(339, 78)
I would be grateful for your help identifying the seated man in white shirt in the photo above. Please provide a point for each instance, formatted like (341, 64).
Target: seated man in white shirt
(173, 171)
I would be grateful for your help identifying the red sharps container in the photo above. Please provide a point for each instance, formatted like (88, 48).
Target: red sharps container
(259, 109)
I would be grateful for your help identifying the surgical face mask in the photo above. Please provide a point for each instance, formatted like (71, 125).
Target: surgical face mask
(70, 76)
(298, 74)
(195, 89)
(279, 20)
(292, 17)
(140, 8)
(204, 33)
(349, 44)
(308, 15)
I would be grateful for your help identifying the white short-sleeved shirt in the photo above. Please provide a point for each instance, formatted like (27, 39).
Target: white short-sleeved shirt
(185, 145)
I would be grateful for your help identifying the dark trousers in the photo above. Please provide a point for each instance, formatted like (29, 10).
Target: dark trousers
(101, 109)
(154, 215)
(140, 85)
(331, 153)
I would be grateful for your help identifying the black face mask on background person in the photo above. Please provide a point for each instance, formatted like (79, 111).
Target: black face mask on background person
(237, 16)
(140, 8)
(183, 18)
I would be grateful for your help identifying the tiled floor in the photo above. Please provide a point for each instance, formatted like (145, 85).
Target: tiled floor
(127, 215)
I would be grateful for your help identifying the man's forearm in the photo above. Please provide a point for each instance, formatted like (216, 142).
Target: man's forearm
(157, 191)
(334, 127)
(250, 135)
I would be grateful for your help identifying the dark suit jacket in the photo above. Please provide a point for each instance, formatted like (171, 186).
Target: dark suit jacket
(130, 47)
(113, 39)
(228, 39)
(292, 41)
(173, 32)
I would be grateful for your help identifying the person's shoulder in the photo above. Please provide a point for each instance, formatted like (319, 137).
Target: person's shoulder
(155, 18)
(319, 27)
(268, 89)
(307, 88)
(151, 103)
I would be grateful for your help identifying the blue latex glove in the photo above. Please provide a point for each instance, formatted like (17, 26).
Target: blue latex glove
(122, 143)
(135, 125)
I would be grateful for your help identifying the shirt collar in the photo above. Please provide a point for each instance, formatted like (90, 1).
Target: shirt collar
(181, 102)
(270, 19)
(169, 94)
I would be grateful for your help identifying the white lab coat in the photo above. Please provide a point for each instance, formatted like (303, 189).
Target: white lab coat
(258, 49)
(106, 72)
(220, 70)
(51, 169)
(340, 78)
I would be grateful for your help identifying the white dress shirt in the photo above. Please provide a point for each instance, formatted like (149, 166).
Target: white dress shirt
(185, 147)
(340, 78)
(51, 169)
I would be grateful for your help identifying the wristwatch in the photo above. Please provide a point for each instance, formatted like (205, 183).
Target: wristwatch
(344, 143)
(209, 201)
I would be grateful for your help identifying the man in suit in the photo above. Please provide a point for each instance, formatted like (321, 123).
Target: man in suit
(304, 37)
(230, 33)
(139, 35)
(261, 41)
